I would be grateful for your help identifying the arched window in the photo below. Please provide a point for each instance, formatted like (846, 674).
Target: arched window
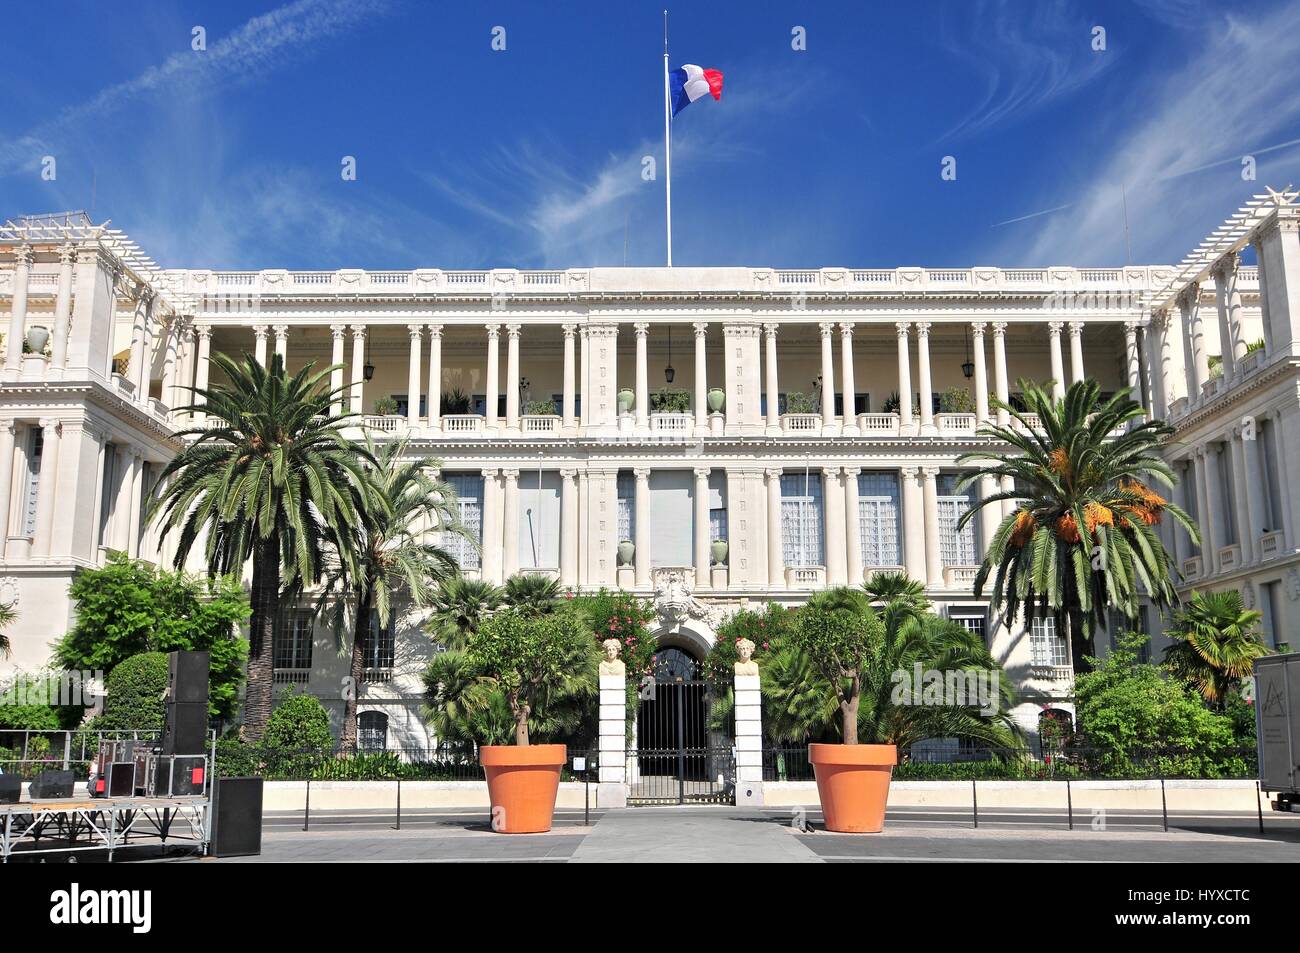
(1055, 726)
(372, 731)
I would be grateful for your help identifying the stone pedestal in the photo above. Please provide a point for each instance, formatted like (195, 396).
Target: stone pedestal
(611, 791)
(749, 742)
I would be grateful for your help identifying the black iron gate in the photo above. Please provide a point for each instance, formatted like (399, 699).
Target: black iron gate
(681, 756)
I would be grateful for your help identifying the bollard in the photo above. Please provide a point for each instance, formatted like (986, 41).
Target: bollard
(975, 803)
(1069, 802)
(399, 803)
(306, 808)
(1259, 807)
(1164, 807)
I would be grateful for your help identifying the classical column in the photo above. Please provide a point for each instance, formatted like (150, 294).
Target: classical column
(853, 525)
(701, 378)
(933, 553)
(1257, 244)
(1226, 357)
(1248, 531)
(773, 385)
(1214, 502)
(990, 516)
(490, 531)
(1198, 358)
(1132, 361)
(414, 365)
(1076, 351)
(171, 372)
(1058, 366)
(8, 432)
(62, 313)
(138, 365)
(584, 376)
(146, 362)
(702, 541)
(642, 532)
(124, 472)
(435, 377)
(1151, 338)
(833, 519)
(642, 375)
(492, 398)
(1288, 527)
(1231, 269)
(45, 502)
(358, 368)
(204, 334)
(18, 313)
(1170, 359)
(570, 418)
(336, 370)
(1000, 386)
(828, 375)
(913, 524)
(1173, 534)
(923, 372)
(259, 345)
(904, 378)
(981, 373)
(512, 376)
(569, 527)
(775, 554)
(1199, 472)
(282, 344)
(510, 524)
(848, 386)
(137, 498)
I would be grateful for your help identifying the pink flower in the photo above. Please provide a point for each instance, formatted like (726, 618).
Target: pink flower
(764, 645)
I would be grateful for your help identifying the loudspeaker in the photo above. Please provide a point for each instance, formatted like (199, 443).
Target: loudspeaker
(11, 788)
(187, 677)
(121, 779)
(52, 784)
(236, 817)
(185, 730)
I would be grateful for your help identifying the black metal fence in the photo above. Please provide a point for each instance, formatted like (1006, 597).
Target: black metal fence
(441, 763)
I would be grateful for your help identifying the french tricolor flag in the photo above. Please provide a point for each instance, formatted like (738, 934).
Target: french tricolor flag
(688, 83)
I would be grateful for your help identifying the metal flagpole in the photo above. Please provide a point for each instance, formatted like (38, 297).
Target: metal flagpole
(668, 149)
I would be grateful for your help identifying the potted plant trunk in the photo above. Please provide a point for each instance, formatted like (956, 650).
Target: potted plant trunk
(852, 779)
(525, 656)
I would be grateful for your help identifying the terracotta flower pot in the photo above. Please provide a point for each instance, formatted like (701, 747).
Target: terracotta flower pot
(853, 785)
(522, 784)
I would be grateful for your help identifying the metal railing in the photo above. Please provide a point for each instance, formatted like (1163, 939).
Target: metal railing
(445, 762)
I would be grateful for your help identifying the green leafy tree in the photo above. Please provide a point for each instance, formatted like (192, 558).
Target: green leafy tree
(298, 723)
(532, 594)
(1216, 641)
(1083, 536)
(30, 702)
(388, 554)
(460, 605)
(8, 616)
(134, 693)
(269, 484)
(836, 636)
(127, 607)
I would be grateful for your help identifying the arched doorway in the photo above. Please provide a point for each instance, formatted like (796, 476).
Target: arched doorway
(683, 749)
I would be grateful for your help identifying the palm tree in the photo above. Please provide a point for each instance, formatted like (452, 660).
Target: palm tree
(7, 617)
(1083, 535)
(388, 553)
(270, 483)
(1216, 640)
(532, 594)
(459, 605)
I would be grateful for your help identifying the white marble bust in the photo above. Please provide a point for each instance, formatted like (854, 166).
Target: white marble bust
(611, 664)
(746, 665)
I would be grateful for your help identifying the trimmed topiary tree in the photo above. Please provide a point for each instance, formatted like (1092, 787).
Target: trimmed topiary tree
(298, 723)
(134, 699)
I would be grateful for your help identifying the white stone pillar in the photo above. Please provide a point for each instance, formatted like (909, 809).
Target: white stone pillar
(642, 532)
(124, 473)
(642, 375)
(201, 370)
(490, 563)
(358, 368)
(933, 553)
(492, 398)
(8, 434)
(775, 554)
(1000, 386)
(1288, 499)
(62, 313)
(981, 373)
(833, 519)
(773, 384)
(1213, 512)
(904, 379)
(702, 540)
(45, 502)
(1132, 361)
(414, 367)
(260, 332)
(1226, 357)
(749, 740)
(1248, 529)
(282, 344)
(1198, 361)
(137, 498)
(171, 371)
(570, 402)
(848, 385)
(336, 371)
(1257, 244)
(611, 789)
(1076, 351)
(569, 527)
(435, 377)
(1232, 279)
(1198, 469)
(853, 526)
(512, 376)
(991, 515)
(923, 372)
(913, 524)
(701, 378)
(1173, 377)
(1058, 365)
(18, 313)
(584, 376)
(510, 524)
(146, 363)
(828, 376)
(138, 364)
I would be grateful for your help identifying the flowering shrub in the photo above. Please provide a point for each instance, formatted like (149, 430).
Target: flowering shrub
(765, 628)
(620, 615)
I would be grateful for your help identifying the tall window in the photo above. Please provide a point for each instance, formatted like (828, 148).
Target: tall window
(469, 497)
(626, 506)
(957, 547)
(878, 517)
(1046, 645)
(801, 518)
(717, 523)
(372, 731)
(379, 647)
(971, 619)
(291, 648)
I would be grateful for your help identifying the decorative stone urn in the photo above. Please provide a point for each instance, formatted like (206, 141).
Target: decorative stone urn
(626, 398)
(718, 550)
(626, 552)
(37, 338)
(717, 399)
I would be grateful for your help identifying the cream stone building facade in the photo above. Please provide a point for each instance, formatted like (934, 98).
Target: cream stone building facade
(817, 442)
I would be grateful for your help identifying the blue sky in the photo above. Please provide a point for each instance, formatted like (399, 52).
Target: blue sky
(532, 157)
